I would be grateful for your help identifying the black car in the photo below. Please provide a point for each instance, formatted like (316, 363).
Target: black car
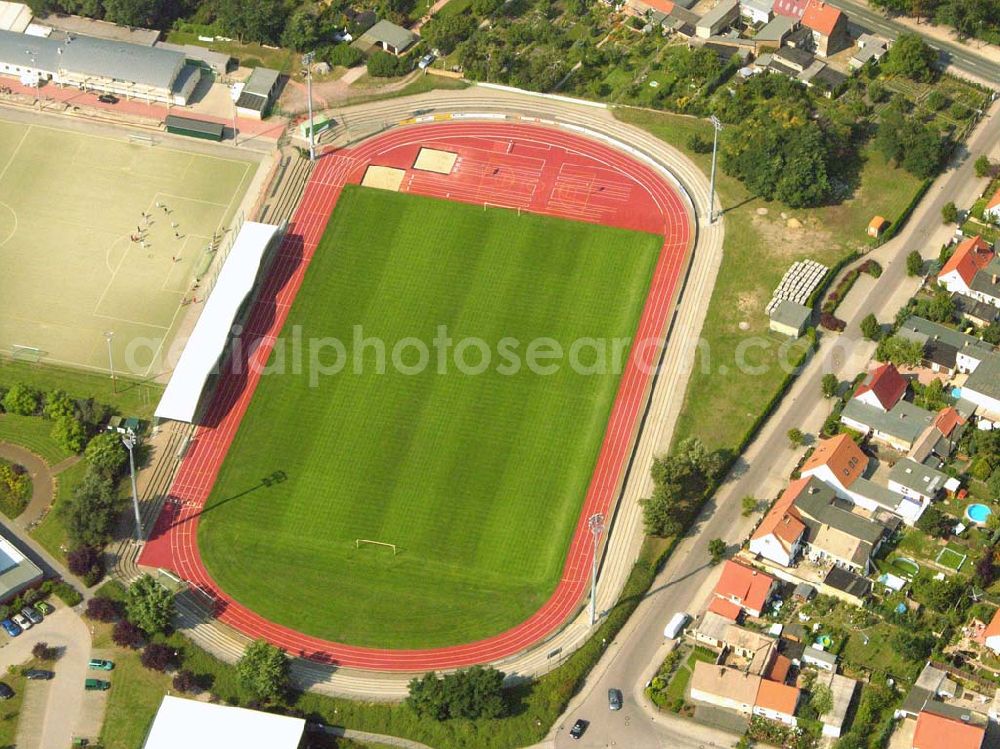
(5, 691)
(578, 728)
(38, 674)
(615, 699)
(107, 99)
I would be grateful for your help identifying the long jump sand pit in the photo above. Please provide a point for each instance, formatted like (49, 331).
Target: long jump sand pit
(434, 160)
(383, 177)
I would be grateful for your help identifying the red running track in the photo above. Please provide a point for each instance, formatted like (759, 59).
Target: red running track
(529, 167)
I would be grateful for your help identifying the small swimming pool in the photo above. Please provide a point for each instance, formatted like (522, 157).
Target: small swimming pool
(978, 513)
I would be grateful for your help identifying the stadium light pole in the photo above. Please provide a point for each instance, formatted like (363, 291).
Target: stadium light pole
(129, 441)
(307, 59)
(596, 524)
(715, 148)
(108, 335)
(38, 85)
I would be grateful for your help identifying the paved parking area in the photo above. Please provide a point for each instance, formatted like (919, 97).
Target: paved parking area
(32, 719)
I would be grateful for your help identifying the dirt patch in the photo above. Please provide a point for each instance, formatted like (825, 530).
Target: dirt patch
(793, 236)
(750, 303)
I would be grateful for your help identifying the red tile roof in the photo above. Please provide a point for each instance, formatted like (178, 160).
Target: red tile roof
(780, 667)
(791, 8)
(664, 6)
(970, 257)
(783, 519)
(744, 584)
(993, 628)
(778, 697)
(947, 420)
(937, 732)
(995, 200)
(820, 17)
(842, 455)
(886, 383)
(725, 608)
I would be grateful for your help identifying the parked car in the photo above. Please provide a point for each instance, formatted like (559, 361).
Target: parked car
(675, 625)
(10, 628)
(107, 99)
(578, 728)
(44, 608)
(22, 621)
(96, 685)
(426, 61)
(99, 664)
(615, 699)
(31, 615)
(5, 691)
(38, 674)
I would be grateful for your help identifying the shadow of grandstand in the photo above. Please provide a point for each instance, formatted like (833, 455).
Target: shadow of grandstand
(241, 359)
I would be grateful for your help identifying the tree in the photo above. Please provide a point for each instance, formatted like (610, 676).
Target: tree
(935, 523)
(21, 400)
(914, 264)
(257, 21)
(716, 550)
(85, 562)
(982, 166)
(43, 652)
(157, 656)
(795, 437)
(700, 143)
(900, 351)
(383, 65)
(427, 698)
(106, 454)
(89, 517)
(821, 699)
(149, 605)
(263, 671)
(446, 32)
(69, 433)
(993, 483)
(126, 635)
(748, 504)
(936, 100)
(829, 384)
(302, 29)
(870, 327)
(57, 404)
(911, 57)
(985, 572)
(185, 681)
(344, 55)
(133, 12)
(991, 333)
(912, 646)
(469, 693)
(102, 609)
(949, 213)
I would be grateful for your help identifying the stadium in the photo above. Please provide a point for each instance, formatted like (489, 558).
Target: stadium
(406, 510)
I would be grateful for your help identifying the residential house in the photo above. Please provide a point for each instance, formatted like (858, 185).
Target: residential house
(711, 630)
(972, 270)
(781, 666)
(842, 689)
(388, 36)
(991, 636)
(726, 609)
(753, 647)
(846, 586)
(724, 687)
(991, 212)
(871, 48)
(983, 387)
(720, 17)
(952, 350)
(900, 427)
(773, 35)
(936, 731)
(781, 534)
(746, 587)
(821, 659)
(791, 61)
(978, 313)
(791, 8)
(644, 7)
(882, 388)
(834, 532)
(776, 701)
(918, 481)
(757, 11)
(828, 26)
(939, 440)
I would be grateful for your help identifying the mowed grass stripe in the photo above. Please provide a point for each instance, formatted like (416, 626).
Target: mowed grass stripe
(478, 479)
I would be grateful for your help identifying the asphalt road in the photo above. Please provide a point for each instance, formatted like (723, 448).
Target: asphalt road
(953, 53)
(762, 471)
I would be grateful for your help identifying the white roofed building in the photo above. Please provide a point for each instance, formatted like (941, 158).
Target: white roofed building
(201, 725)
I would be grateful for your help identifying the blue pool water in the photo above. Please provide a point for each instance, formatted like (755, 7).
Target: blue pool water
(978, 513)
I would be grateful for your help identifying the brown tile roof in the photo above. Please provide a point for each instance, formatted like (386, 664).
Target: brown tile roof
(947, 420)
(821, 17)
(842, 455)
(938, 732)
(744, 584)
(778, 697)
(725, 608)
(783, 519)
(970, 257)
(887, 384)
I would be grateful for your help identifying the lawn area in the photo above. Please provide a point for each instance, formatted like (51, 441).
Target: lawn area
(51, 533)
(249, 55)
(952, 557)
(675, 689)
(129, 397)
(758, 250)
(10, 710)
(880, 653)
(454, 8)
(33, 433)
(477, 476)
(419, 85)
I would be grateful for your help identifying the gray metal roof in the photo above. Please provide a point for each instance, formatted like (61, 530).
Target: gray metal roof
(986, 378)
(904, 420)
(718, 13)
(86, 55)
(16, 571)
(261, 82)
(984, 282)
(876, 493)
(918, 329)
(820, 655)
(918, 477)
(845, 580)
(389, 33)
(792, 314)
(818, 503)
(775, 29)
(764, 6)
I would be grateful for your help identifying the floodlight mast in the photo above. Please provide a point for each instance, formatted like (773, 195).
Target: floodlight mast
(307, 60)
(129, 441)
(596, 524)
(717, 125)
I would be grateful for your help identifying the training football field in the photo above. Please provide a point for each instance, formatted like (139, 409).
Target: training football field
(478, 479)
(69, 203)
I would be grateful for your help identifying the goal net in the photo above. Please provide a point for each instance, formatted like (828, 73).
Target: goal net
(358, 542)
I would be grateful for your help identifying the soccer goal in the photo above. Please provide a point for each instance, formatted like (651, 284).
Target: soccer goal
(26, 353)
(359, 541)
(142, 140)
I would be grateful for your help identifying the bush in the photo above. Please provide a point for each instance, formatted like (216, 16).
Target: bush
(936, 101)
(102, 609)
(82, 559)
(43, 652)
(830, 322)
(700, 143)
(982, 166)
(185, 681)
(344, 55)
(69, 433)
(21, 400)
(66, 593)
(150, 606)
(157, 657)
(127, 635)
(58, 403)
(872, 268)
(383, 65)
(949, 213)
(914, 264)
(107, 455)
(870, 327)
(959, 111)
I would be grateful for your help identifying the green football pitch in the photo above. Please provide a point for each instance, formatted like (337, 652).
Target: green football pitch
(478, 479)
(69, 202)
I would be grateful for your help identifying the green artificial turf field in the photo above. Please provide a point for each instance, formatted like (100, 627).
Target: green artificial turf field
(478, 479)
(69, 203)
